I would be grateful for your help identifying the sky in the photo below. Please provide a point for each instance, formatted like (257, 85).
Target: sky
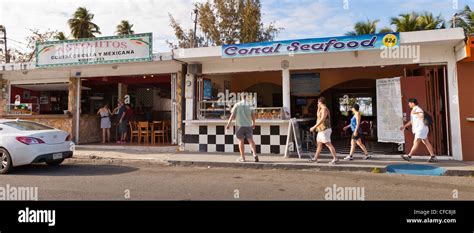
(298, 18)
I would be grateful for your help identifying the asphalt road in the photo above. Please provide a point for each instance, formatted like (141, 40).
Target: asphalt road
(161, 182)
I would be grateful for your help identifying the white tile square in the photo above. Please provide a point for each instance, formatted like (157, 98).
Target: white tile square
(265, 130)
(236, 141)
(211, 148)
(265, 149)
(274, 139)
(229, 148)
(257, 139)
(220, 139)
(192, 129)
(282, 150)
(191, 147)
(211, 130)
(202, 139)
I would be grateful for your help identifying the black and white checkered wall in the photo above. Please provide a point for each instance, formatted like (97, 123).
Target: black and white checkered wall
(270, 139)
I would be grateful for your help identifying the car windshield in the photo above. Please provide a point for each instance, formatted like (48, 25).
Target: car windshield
(26, 125)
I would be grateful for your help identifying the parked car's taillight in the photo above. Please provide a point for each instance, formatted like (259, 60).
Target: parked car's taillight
(68, 138)
(29, 140)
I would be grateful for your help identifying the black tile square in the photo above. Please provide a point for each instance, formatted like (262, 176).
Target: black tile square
(257, 130)
(203, 129)
(211, 139)
(220, 148)
(202, 147)
(191, 138)
(236, 148)
(274, 130)
(283, 139)
(265, 139)
(275, 149)
(220, 130)
(259, 149)
(229, 139)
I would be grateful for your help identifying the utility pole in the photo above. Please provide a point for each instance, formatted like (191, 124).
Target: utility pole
(194, 42)
(7, 57)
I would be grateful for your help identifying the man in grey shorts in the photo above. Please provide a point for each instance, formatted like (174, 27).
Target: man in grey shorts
(244, 126)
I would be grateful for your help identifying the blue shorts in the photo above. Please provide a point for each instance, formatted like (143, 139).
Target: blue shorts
(244, 132)
(123, 127)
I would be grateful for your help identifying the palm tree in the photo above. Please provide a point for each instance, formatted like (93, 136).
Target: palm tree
(386, 30)
(427, 21)
(81, 24)
(464, 19)
(124, 28)
(60, 36)
(363, 28)
(406, 22)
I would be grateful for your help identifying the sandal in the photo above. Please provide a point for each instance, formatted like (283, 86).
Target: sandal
(406, 157)
(367, 157)
(313, 160)
(334, 161)
(432, 159)
(241, 160)
(255, 158)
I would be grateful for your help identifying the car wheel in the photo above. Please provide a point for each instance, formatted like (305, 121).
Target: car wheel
(55, 162)
(6, 161)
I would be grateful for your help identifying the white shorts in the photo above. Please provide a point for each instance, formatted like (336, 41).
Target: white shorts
(421, 133)
(324, 136)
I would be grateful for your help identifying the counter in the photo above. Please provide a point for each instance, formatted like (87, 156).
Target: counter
(210, 136)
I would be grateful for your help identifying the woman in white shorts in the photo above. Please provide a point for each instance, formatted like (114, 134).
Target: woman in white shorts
(419, 129)
(323, 127)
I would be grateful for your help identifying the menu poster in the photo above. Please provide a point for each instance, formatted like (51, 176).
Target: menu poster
(389, 111)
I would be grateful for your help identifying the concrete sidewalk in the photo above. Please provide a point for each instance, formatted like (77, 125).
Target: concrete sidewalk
(378, 164)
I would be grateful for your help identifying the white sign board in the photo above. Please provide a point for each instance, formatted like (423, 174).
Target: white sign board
(293, 134)
(389, 111)
(99, 50)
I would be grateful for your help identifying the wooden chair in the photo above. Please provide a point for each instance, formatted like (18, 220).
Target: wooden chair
(157, 131)
(167, 130)
(134, 132)
(144, 132)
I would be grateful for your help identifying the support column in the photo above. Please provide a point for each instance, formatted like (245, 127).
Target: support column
(74, 106)
(454, 115)
(122, 90)
(286, 91)
(4, 92)
(189, 95)
(179, 107)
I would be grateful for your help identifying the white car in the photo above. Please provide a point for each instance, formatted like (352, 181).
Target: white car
(26, 142)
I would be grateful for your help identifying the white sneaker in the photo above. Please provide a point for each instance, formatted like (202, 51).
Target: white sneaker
(349, 157)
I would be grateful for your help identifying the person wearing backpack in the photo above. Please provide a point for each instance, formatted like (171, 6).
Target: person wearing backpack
(419, 122)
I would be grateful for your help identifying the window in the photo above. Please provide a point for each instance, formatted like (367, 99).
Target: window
(27, 125)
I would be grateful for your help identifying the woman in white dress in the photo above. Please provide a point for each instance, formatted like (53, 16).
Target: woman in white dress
(105, 123)
(419, 129)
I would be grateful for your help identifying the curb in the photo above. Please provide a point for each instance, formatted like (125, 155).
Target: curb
(113, 161)
(278, 166)
(263, 166)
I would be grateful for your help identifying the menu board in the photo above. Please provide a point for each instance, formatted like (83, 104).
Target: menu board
(389, 111)
(305, 84)
(207, 89)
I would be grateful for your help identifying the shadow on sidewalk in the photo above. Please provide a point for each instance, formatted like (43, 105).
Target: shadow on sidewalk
(72, 170)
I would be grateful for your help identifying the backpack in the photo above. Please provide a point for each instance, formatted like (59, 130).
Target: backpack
(427, 119)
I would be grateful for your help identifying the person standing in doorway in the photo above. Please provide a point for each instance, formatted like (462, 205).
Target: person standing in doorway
(120, 111)
(356, 138)
(323, 127)
(105, 123)
(419, 129)
(244, 126)
(124, 120)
